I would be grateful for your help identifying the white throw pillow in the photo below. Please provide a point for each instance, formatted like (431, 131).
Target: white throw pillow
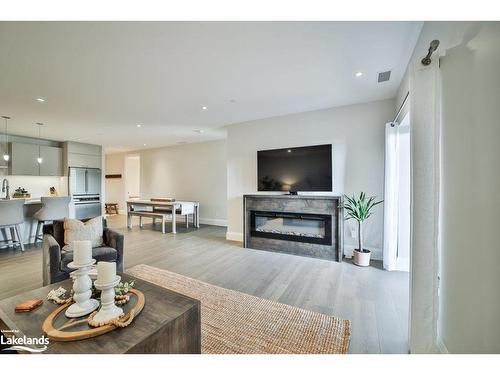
(76, 230)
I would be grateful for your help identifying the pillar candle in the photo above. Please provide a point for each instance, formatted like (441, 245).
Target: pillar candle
(82, 252)
(106, 272)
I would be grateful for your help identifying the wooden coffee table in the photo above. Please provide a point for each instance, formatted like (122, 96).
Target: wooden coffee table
(169, 323)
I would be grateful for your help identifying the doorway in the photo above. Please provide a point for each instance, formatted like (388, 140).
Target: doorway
(133, 176)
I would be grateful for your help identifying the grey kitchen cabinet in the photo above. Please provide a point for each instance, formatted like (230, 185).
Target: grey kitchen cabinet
(4, 148)
(84, 148)
(81, 155)
(84, 161)
(51, 161)
(23, 159)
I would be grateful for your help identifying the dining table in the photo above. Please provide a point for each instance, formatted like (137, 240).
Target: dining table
(172, 205)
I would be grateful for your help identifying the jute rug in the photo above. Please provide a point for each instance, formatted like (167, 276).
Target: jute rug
(235, 322)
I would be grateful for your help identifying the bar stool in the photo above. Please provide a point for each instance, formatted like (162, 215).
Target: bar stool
(11, 215)
(53, 208)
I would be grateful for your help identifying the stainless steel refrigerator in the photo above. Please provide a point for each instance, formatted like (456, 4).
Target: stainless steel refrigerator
(85, 190)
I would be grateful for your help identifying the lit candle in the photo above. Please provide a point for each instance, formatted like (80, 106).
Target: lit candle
(82, 252)
(106, 272)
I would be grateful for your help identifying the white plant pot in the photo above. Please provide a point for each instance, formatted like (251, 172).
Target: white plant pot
(362, 258)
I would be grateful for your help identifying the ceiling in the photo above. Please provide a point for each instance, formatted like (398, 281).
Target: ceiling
(100, 80)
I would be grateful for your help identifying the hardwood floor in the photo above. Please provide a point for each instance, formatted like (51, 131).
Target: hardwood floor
(376, 301)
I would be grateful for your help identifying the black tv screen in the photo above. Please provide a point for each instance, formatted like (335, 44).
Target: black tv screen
(295, 169)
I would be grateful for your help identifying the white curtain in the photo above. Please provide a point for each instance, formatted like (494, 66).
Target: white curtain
(391, 199)
(425, 120)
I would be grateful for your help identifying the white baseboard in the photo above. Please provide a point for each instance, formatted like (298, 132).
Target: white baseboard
(218, 222)
(234, 236)
(441, 346)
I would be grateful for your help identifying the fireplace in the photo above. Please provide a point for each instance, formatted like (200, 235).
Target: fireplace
(299, 227)
(305, 225)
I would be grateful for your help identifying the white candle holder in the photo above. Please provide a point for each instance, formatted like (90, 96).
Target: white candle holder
(108, 310)
(82, 291)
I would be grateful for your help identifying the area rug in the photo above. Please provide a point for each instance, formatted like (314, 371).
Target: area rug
(237, 323)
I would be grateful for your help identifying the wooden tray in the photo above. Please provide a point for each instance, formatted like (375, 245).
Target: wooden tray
(58, 327)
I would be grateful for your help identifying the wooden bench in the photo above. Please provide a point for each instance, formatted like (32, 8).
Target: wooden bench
(153, 215)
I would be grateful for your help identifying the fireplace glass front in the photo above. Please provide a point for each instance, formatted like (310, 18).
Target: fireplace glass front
(309, 228)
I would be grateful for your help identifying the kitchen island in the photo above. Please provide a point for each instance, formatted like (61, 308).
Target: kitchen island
(28, 227)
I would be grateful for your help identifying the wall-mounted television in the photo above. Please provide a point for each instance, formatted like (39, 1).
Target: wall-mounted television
(295, 169)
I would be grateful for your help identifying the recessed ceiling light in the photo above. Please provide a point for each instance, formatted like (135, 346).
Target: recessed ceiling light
(41, 100)
(144, 144)
(359, 74)
(204, 108)
(232, 101)
(199, 131)
(139, 125)
(288, 150)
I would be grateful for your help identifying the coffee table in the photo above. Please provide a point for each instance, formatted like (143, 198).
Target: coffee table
(169, 323)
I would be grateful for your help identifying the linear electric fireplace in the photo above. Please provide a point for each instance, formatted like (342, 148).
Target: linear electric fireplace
(305, 225)
(300, 227)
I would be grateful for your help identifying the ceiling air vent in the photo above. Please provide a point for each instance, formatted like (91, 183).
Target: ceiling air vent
(384, 76)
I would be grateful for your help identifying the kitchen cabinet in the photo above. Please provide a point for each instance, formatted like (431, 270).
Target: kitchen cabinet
(84, 148)
(23, 159)
(51, 161)
(4, 148)
(82, 155)
(84, 161)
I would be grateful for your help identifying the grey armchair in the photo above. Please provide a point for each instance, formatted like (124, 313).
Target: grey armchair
(55, 261)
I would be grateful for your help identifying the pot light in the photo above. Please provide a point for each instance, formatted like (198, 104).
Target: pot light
(359, 74)
(199, 131)
(139, 125)
(144, 144)
(41, 100)
(204, 108)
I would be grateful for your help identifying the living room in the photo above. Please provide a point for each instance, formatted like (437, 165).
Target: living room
(247, 187)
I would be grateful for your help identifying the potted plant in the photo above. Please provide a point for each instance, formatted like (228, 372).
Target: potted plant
(360, 209)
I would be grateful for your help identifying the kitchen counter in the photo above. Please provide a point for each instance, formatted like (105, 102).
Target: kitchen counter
(28, 200)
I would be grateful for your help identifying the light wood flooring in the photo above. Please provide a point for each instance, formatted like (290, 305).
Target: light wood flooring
(376, 301)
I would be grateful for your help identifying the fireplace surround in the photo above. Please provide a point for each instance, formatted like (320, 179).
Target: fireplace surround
(305, 225)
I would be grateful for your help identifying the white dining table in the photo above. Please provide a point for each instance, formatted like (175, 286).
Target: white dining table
(173, 206)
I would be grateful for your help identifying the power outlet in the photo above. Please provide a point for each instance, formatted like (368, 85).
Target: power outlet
(353, 233)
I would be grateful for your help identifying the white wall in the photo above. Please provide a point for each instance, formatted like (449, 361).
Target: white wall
(114, 188)
(470, 200)
(186, 172)
(357, 135)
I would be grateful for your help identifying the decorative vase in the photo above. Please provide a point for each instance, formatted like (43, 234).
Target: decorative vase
(362, 258)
